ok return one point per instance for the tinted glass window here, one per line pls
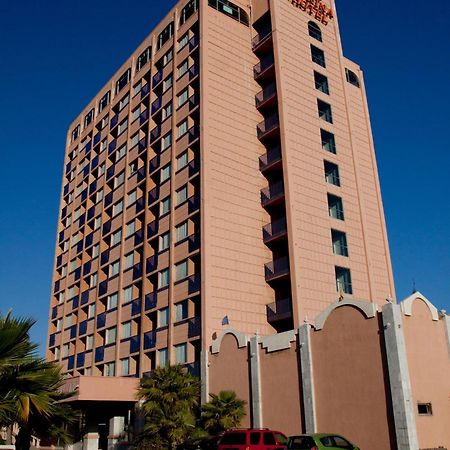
(301, 443)
(281, 438)
(233, 439)
(269, 439)
(340, 442)
(254, 438)
(327, 441)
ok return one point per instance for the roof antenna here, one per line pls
(414, 286)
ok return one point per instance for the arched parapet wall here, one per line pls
(407, 305)
(368, 309)
(241, 338)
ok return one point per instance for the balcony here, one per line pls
(150, 301)
(149, 340)
(194, 327)
(193, 203)
(193, 368)
(262, 40)
(155, 134)
(153, 195)
(135, 344)
(193, 42)
(156, 105)
(157, 78)
(265, 68)
(194, 242)
(275, 230)
(268, 127)
(267, 97)
(193, 72)
(143, 118)
(194, 283)
(280, 310)
(142, 144)
(272, 194)
(277, 269)
(145, 91)
(154, 164)
(194, 133)
(152, 264)
(152, 229)
(136, 307)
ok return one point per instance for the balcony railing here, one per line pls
(279, 268)
(266, 94)
(272, 193)
(261, 37)
(274, 229)
(271, 158)
(281, 309)
(267, 126)
(264, 65)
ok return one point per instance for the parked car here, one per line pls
(252, 439)
(319, 441)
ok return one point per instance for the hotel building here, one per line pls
(224, 175)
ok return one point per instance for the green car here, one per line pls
(319, 441)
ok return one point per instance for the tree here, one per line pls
(170, 405)
(30, 387)
(223, 412)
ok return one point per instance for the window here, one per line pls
(163, 319)
(66, 350)
(89, 118)
(190, 8)
(99, 196)
(111, 336)
(424, 409)
(165, 35)
(132, 197)
(59, 325)
(91, 310)
(128, 294)
(182, 128)
(93, 280)
(269, 438)
(331, 173)
(114, 268)
(321, 82)
(352, 78)
(182, 161)
(339, 240)
(90, 342)
(163, 357)
(163, 278)
(181, 311)
(165, 206)
(95, 250)
(167, 57)
(123, 81)
(183, 68)
(183, 41)
(125, 367)
(166, 141)
(167, 111)
(75, 133)
(183, 98)
(129, 261)
(318, 56)
(121, 152)
(103, 145)
(104, 101)
(343, 280)
(134, 140)
(110, 369)
(181, 231)
(181, 270)
(137, 88)
(255, 437)
(126, 330)
(136, 113)
(328, 141)
(123, 126)
(324, 110)
(112, 301)
(61, 297)
(168, 82)
(143, 59)
(133, 167)
(165, 173)
(104, 122)
(119, 179)
(164, 242)
(314, 31)
(231, 10)
(181, 354)
(118, 208)
(68, 321)
(182, 195)
(57, 353)
(335, 207)
(131, 228)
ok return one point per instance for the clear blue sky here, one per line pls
(55, 56)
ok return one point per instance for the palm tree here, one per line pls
(224, 411)
(29, 386)
(170, 399)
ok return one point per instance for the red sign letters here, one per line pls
(315, 8)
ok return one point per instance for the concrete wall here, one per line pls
(362, 385)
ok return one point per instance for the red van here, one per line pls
(252, 439)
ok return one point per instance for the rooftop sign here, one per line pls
(315, 8)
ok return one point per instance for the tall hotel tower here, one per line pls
(225, 175)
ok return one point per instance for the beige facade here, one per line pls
(225, 174)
